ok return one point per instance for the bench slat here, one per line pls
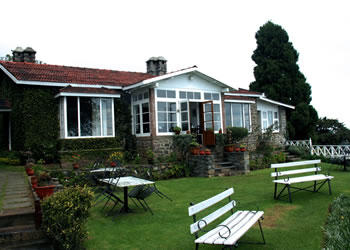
(209, 202)
(317, 177)
(294, 164)
(296, 171)
(213, 216)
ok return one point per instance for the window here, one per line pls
(166, 112)
(211, 96)
(237, 115)
(270, 118)
(161, 93)
(190, 95)
(208, 116)
(140, 112)
(89, 117)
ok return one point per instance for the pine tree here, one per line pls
(277, 75)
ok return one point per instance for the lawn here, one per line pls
(286, 226)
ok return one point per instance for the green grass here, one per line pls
(286, 226)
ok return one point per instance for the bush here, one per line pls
(64, 215)
(235, 134)
(337, 228)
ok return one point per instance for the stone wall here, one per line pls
(201, 165)
(160, 145)
(239, 160)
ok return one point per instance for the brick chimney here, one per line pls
(29, 55)
(23, 55)
(17, 55)
(156, 66)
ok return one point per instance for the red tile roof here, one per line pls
(5, 104)
(64, 74)
(239, 98)
(246, 92)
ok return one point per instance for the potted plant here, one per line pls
(194, 147)
(220, 131)
(177, 130)
(76, 159)
(44, 188)
(235, 134)
(29, 169)
(242, 147)
(207, 151)
(115, 157)
(201, 152)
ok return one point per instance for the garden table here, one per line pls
(125, 183)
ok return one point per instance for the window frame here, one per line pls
(64, 122)
(242, 113)
(139, 103)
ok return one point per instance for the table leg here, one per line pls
(125, 208)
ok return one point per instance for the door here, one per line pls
(208, 123)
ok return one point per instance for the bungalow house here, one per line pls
(84, 104)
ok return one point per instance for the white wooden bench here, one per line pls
(316, 178)
(229, 231)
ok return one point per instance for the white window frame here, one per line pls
(177, 100)
(140, 103)
(243, 119)
(276, 129)
(64, 133)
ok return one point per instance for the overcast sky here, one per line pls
(217, 36)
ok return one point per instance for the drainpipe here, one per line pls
(10, 145)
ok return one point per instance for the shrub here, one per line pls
(64, 215)
(337, 228)
(235, 134)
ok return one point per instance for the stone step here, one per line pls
(226, 167)
(223, 164)
(16, 217)
(20, 233)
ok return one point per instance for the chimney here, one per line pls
(156, 66)
(17, 55)
(29, 55)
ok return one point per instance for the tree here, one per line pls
(277, 75)
(331, 132)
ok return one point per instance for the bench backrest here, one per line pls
(295, 164)
(203, 222)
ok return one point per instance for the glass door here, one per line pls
(208, 120)
(184, 115)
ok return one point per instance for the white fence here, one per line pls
(324, 150)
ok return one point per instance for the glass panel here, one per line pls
(275, 115)
(207, 96)
(161, 106)
(264, 115)
(134, 98)
(216, 107)
(172, 106)
(269, 114)
(197, 95)
(137, 129)
(275, 125)
(217, 126)
(216, 96)
(189, 95)
(172, 117)
(90, 116)
(145, 128)
(216, 116)
(208, 117)
(208, 125)
(182, 95)
(162, 117)
(107, 121)
(145, 118)
(228, 114)
(207, 107)
(184, 116)
(184, 106)
(72, 116)
(145, 95)
(184, 126)
(140, 97)
(145, 108)
(171, 126)
(136, 117)
(237, 115)
(171, 93)
(161, 93)
(162, 127)
(265, 124)
(246, 116)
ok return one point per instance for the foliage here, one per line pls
(194, 144)
(76, 157)
(181, 144)
(10, 161)
(43, 179)
(265, 160)
(71, 178)
(331, 132)
(64, 216)
(277, 75)
(176, 129)
(89, 143)
(235, 134)
(337, 228)
(116, 156)
(220, 139)
(150, 154)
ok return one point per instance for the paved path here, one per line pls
(15, 188)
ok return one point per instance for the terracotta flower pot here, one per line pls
(194, 151)
(34, 181)
(243, 149)
(113, 164)
(237, 149)
(44, 191)
(76, 165)
(207, 152)
(229, 148)
(202, 152)
(30, 171)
